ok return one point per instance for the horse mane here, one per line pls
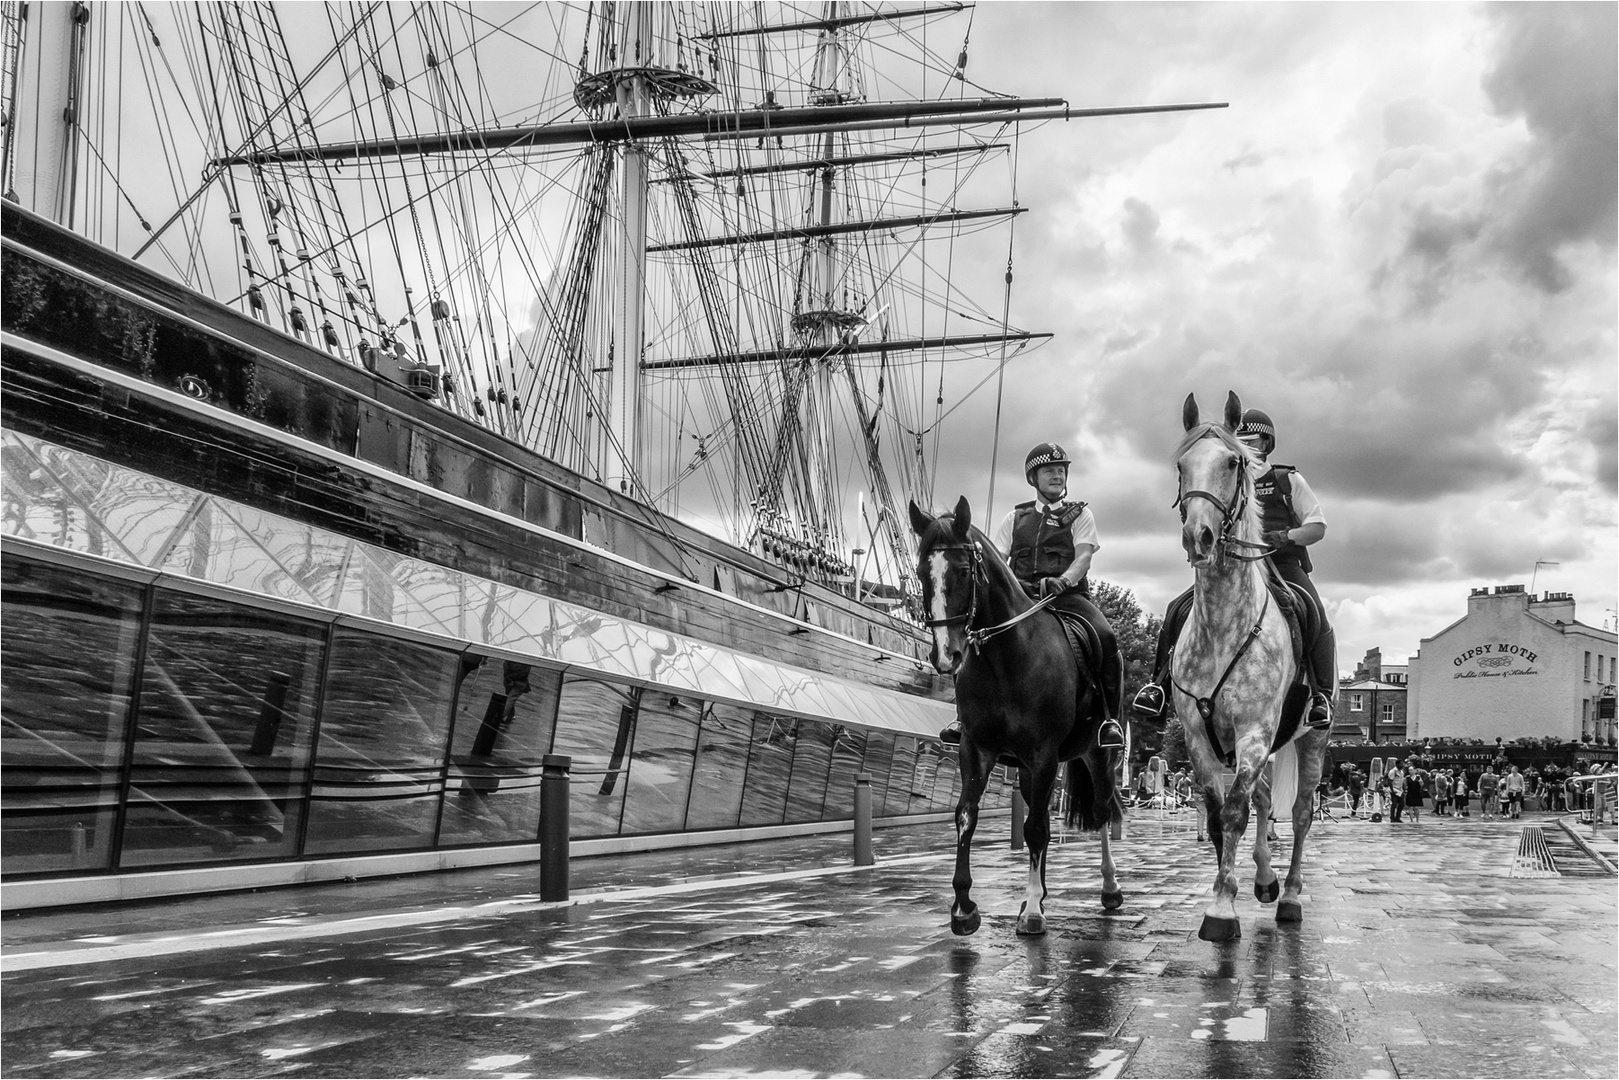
(1248, 520)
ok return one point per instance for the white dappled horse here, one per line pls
(1233, 667)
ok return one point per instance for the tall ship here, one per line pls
(397, 394)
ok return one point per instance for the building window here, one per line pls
(1357, 703)
(1386, 713)
(1587, 667)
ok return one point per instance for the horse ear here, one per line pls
(963, 517)
(920, 520)
(1233, 410)
(1189, 412)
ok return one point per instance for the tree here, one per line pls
(1138, 642)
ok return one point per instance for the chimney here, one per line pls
(1557, 607)
(1485, 599)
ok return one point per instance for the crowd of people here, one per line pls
(1500, 790)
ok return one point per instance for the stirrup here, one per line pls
(1320, 717)
(951, 735)
(1111, 736)
(1149, 701)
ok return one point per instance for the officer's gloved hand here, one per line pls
(1278, 539)
(1052, 586)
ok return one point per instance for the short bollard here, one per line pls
(1020, 810)
(862, 820)
(554, 826)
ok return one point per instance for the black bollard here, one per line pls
(862, 820)
(1020, 811)
(554, 826)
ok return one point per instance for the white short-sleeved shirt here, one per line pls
(1083, 530)
(1305, 504)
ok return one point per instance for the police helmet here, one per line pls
(1257, 422)
(1047, 453)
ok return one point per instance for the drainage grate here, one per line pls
(1534, 858)
(1569, 858)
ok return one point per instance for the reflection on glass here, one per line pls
(812, 757)
(722, 765)
(923, 778)
(383, 734)
(770, 763)
(594, 724)
(503, 725)
(879, 760)
(848, 757)
(898, 802)
(66, 663)
(947, 788)
(222, 734)
(665, 746)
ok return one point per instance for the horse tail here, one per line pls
(1092, 806)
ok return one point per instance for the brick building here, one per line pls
(1515, 665)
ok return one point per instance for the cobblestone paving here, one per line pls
(1419, 956)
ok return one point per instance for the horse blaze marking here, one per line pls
(936, 571)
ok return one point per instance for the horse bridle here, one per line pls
(976, 637)
(1229, 513)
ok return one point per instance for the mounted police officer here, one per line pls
(1291, 518)
(1048, 543)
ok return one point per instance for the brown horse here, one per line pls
(1018, 693)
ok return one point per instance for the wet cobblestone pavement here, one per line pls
(1419, 956)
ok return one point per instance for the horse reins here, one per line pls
(976, 637)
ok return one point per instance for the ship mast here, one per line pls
(40, 151)
(621, 444)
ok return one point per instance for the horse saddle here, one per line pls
(1084, 642)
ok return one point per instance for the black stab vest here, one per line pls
(1274, 491)
(1042, 546)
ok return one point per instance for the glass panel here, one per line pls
(661, 764)
(848, 756)
(67, 658)
(948, 787)
(812, 758)
(927, 774)
(879, 760)
(594, 722)
(503, 725)
(898, 800)
(770, 763)
(383, 734)
(222, 737)
(722, 762)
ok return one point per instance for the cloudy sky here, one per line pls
(1399, 240)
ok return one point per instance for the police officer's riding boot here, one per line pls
(951, 735)
(1149, 702)
(1111, 737)
(1324, 662)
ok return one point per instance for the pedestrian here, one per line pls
(1489, 791)
(1357, 788)
(1459, 794)
(1515, 788)
(1394, 780)
(1441, 792)
(1415, 784)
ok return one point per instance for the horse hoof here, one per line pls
(1031, 925)
(1267, 894)
(1290, 911)
(965, 925)
(1112, 901)
(1217, 929)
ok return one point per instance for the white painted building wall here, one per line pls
(1514, 666)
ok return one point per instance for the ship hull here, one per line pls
(116, 373)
